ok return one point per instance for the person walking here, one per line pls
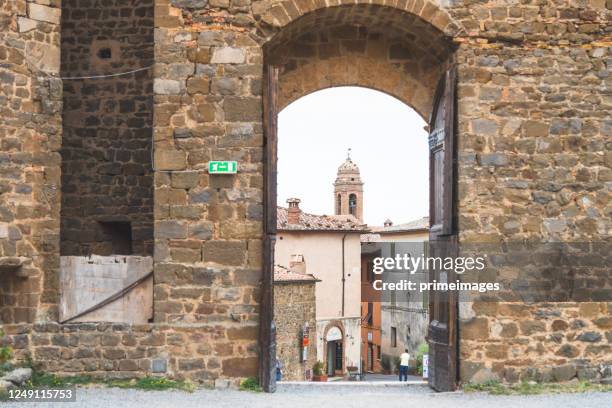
(404, 363)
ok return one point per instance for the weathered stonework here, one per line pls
(107, 350)
(294, 305)
(30, 138)
(107, 177)
(534, 162)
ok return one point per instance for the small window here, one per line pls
(370, 314)
(119, 235)
(393, 337)
(105, 53)
(353, 204)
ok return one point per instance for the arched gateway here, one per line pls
(180, 85)
(402, 52)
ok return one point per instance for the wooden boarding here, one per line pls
(442, 330)
(88, 281)
(267, 333)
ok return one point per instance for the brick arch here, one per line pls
(367, 45)
(320, 75)
(285, 12)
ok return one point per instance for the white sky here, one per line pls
(388, 144)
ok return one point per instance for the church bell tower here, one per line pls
(348, 190)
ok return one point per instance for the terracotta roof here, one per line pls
(283, 274)
(421, 224)
(311, 222)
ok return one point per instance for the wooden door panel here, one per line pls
(267, 330)
(442, 336)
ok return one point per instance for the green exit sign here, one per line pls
(222, 167)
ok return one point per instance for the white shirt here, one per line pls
(405, 359)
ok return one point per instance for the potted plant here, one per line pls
(317, 372)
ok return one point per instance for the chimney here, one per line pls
(388, 223)
(293, 212)
(297, 264)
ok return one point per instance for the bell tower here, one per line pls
(348, 190)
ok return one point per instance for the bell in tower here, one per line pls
(348, 190)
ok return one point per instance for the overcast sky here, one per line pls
(388, 144)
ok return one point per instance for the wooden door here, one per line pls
(267, 330)
(442, 334)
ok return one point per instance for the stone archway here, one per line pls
(373, 46)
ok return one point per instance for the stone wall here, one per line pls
(535, 134)
(107, 177)
(534, 156)
(110, 350)
(30, 138)
(294, 305)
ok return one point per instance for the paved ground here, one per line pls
(387, 377)
(316, 397)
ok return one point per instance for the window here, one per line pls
(118, 235)
(353, 205)
(378, 352)
(370, 314)
(393, 337)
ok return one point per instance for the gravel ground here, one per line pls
(316, 397)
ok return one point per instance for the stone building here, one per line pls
(295, 311)
(403, 317)
(329, 247)
(371, 325)
(532, 163)
(404, 321)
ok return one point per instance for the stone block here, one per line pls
(225, 86)
(243, 333)
(493, 159)
(185, 180)
(240, 367)
(4, 230)
(475, 329)
(190, 364)
(590, 337)
(189, 4)
(484, 127)
(201, 230)
(44, 13)
(159, 365)
(530, 327)
(170, 160)
(564, 372)
(170, 229)
(26, 24)
(128, 365)
(224, 252)
(45, 57)
(228, 55)
(239, 109)
(168, 87)
(198, 85)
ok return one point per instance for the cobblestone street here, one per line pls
(312, 396)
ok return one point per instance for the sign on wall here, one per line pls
(222, 167)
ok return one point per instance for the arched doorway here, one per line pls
(396, 52)
(334, 345)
